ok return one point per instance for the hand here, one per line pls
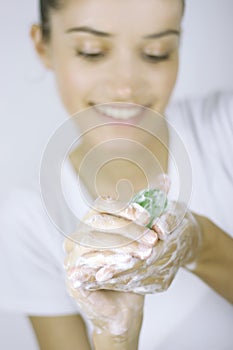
(180, 239)
(118, 314)
(103, 235)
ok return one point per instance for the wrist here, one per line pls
(105, 340)
(196, 234)
(205, 250)
(214, 261)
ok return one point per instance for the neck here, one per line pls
(124, 167)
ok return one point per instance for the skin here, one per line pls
(151, 269)
(60, 333)
(122, 73)
(83, 82)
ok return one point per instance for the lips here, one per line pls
(119, 112)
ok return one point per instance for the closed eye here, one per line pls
(156, 58)
(90, 55)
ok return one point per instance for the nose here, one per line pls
(126, 82)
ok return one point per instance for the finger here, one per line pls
(136, 213)
(120, 280)
(99, 259)
(132, 211)
(122, 283)
(104, 273)
(141, 248)
(77, 276)
(107, 264)
(98, 266)
(163, 258)
(155, 287)
(149, 238)
(115, 225)
(163, 251)
(74, 257)
(122, 273)
(122, 264)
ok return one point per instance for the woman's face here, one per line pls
(115, 51)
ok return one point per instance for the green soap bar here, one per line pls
(153, 200)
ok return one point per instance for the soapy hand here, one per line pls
(109, 244)
(147, 263)
(114, 234)
(111, 312)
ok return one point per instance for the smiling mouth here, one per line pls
(120, 112)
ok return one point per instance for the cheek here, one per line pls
(73, 85)
(163, 81)
(172, 71)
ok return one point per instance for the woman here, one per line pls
(118, 59)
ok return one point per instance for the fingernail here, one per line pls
(150, 238)
(143, 252)
(162, 234)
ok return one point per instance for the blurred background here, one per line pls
(30, 109)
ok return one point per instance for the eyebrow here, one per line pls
(161, 34)
(108, 35)
(88, 30)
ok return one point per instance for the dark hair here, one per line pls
(47, 5)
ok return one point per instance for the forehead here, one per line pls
(114, 16)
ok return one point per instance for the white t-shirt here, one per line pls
(189, 315)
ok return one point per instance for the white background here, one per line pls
(30, 109)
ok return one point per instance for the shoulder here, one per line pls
(209, 118)
(202, 109)
(25, 223)
(206, 128)
(31, 257)
(18, 199)
(20, 204)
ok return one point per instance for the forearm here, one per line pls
(214, 264)
(129, 341)
(60, 332)
(105, 341)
